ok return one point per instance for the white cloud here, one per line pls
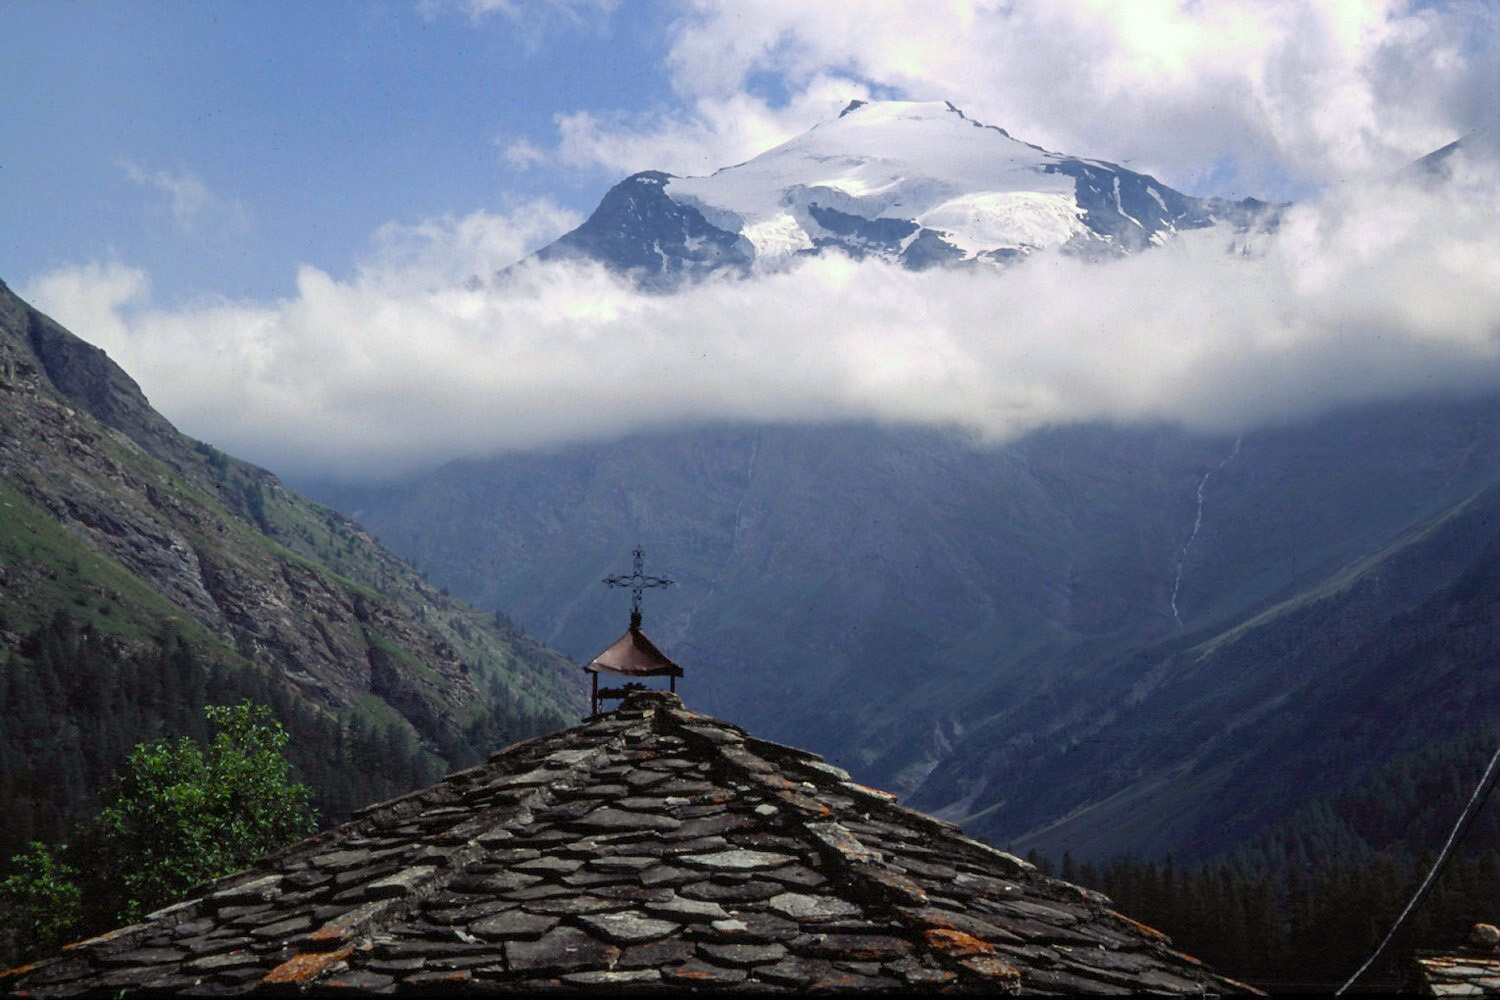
(446, 251)
(716, 132)
(517, 10)
(1216, 96)
(194, 208)
(1370, 292)
(92, 297)
(521, 153)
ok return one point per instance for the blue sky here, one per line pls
(265, 211)
(305, 126)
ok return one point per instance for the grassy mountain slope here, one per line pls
(129, 528)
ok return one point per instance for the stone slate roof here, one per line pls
(1462, 975)
(651, 848)
(1470, 971)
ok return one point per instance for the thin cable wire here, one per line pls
(1465, 820)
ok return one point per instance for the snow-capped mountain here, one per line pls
(919, 183)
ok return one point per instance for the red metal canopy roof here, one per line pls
(634, 655)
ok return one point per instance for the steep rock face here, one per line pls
(639, 230)
(248, 564)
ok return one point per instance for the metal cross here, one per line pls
(637, 582)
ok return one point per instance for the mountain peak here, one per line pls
(918, 183)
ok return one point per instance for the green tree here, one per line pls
(178, 816)
(41, 898)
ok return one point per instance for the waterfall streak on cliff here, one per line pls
(734, 541)
(1197, 523)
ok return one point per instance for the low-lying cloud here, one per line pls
(1375, 292)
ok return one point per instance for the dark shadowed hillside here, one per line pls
(1120, 622)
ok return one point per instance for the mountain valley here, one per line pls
(1094, 639)
(963, 622)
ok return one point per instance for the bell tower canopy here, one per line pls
(632, 655)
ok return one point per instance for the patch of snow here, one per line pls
(895, 159)
(780, 236)
(1157, 195)
(991, 220)
(714, 215)
(1121, 208)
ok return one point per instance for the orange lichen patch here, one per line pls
(877, 793)
(110, 936)
(327, 936)
(1246, 988)
(685, 972)
(306, 966)
(956, 943)
(17, 970)
(928, 976)
(837, 838)
(990, 967)
(838, 982)
(935, 920)
(803, 804)
(1150, 932)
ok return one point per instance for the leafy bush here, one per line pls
(42, 901)
(177, 815)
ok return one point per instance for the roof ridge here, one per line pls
(422, 874)
(650, 846)
(869, 875)
(336, 939)
(870, 879)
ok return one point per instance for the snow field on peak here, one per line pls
(916, 161)
(780, 236)
(1006, 219)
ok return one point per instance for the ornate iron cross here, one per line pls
(637, 582)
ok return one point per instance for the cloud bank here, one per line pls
(1226, 97)
(1369, 292)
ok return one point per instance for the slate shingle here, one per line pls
(649, 849)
